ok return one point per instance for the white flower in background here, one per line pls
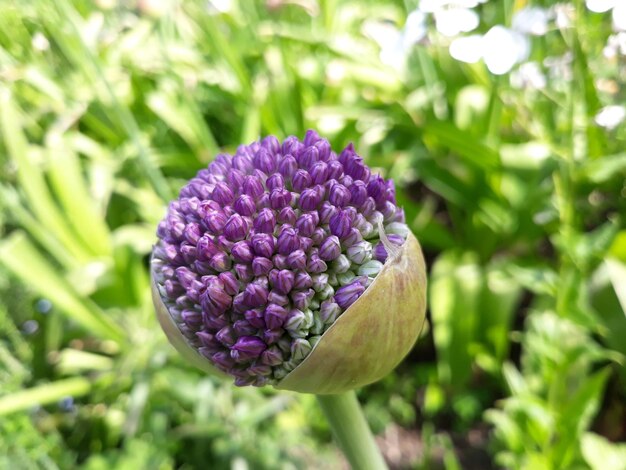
(560, 67)
(503, 48)
(610, 117)
(616, 43)
(452, 16)
(531, 20)
(431, 6)
(563, 14)
(40, 42)
(618, 8)
(529, 76)
(456, 20)
(619, 17)
(395, 44)
(601, 6)
(219, 6)
(467, 49)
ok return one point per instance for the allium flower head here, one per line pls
(265, 249)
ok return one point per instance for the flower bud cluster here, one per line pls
(266, 248)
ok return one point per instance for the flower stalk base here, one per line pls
(352, 431)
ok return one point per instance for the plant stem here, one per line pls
(351, 431)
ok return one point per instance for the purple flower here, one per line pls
(347, 295)
(260, 253)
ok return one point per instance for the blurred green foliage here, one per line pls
(515, 192)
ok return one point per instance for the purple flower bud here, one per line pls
(327, 211)
(320, 281)
(330, 249)
(316, 264)
(287, 216)
(309, 199)
(275, 181)
(329, 311)
(223, 243)
(347, 295)
(288, 241)
(265, 221)
(275, 316)
(323, 149)
(302, 281)
(310, 137)
(255, 317)
(215, 222)
(245, 205)
(261, 266)
(244, 272)
(282, 280)
(339, 195)
(279, 198)
(272, 336)
(185, 276)
(209, 341)
(302, 299)
(272, 356)
(220, 262)
(296, 321)
(280, 261)
(308, 157)
(235, 178)
(205, 248)
(263, 202)
(300, 349)
(380, 253)
(278, 299)
(192, 233)
(226, 336)
(271, 144)
(319, 173)
(243, 327)
(335, 170)
(360, 253)
(264, 161)
(263, 244)
(252, 186)
(305, 244)
(259, 370)
(318, 236)
(192, 318)
(242, 252)
(306, 225)
(222, 194)
(291, 145)
(288, 166)
(249, 348)
(341, 264)
(231, 285)
(301, 180)
(376, 187)
(354, 236)
(340, 224)
(370, 268)
(297, 260)
(223, 360)
(255, 295)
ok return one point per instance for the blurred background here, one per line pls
(502, 123)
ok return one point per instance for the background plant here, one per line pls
(513, 182)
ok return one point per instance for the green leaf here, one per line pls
(22, 258)
(601, 454)
(43, 394)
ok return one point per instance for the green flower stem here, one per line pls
(351, 431)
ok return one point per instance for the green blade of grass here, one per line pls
(31, 179)
(22, 259)
(45, 394)
(69, 184)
